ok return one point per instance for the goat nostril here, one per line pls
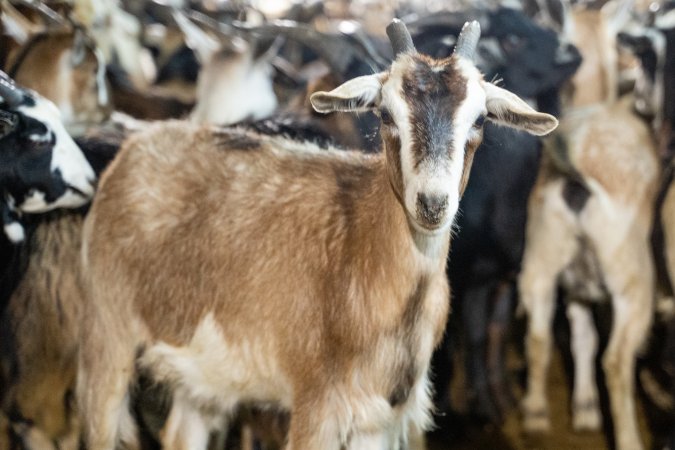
(431, 207)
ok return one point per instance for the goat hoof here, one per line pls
(586, 416)
(536, 421)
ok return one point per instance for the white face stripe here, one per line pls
(67, 158)
(433, 179)
(397, 107)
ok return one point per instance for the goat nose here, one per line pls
(431, 207)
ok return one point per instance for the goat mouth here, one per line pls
(429, 229)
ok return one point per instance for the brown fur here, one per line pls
(433, 97)
(239, 268)
(218, 254)
(42, 319)
(614, 165)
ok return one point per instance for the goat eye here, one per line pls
(385, 117)
(479, 121)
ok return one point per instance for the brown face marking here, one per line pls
(392, 145)
(469, 152)
(433, 90)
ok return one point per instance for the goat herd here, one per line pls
(201, 250)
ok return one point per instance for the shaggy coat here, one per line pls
(239, 268)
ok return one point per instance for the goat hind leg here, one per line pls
(104, 377)
(550, 246)
(629, 275)
(631, 324)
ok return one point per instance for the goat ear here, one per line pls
(204, 45)
(508, 109)
(359, 94)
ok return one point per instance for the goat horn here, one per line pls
(468, 40)
(9, 92)
(399, 36)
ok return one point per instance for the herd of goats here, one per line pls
(195, 254)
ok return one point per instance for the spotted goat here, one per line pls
(338, 320)
(588, 232)
(41, 166)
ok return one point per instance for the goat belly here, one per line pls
(211, 371)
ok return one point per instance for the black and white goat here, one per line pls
(42, 170)
(41, 167)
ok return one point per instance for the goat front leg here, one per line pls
(585, 406)
(314, 425)
(103, 382)
(550, 246)
(630, 281)
(185, 428)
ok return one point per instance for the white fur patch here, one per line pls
(210, 371)
(233, 89)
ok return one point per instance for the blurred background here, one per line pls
(562, 331)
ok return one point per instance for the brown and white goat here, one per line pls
(589, 225)
(66, 67)
(42, 170)
(244, 269)
(233, 84)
